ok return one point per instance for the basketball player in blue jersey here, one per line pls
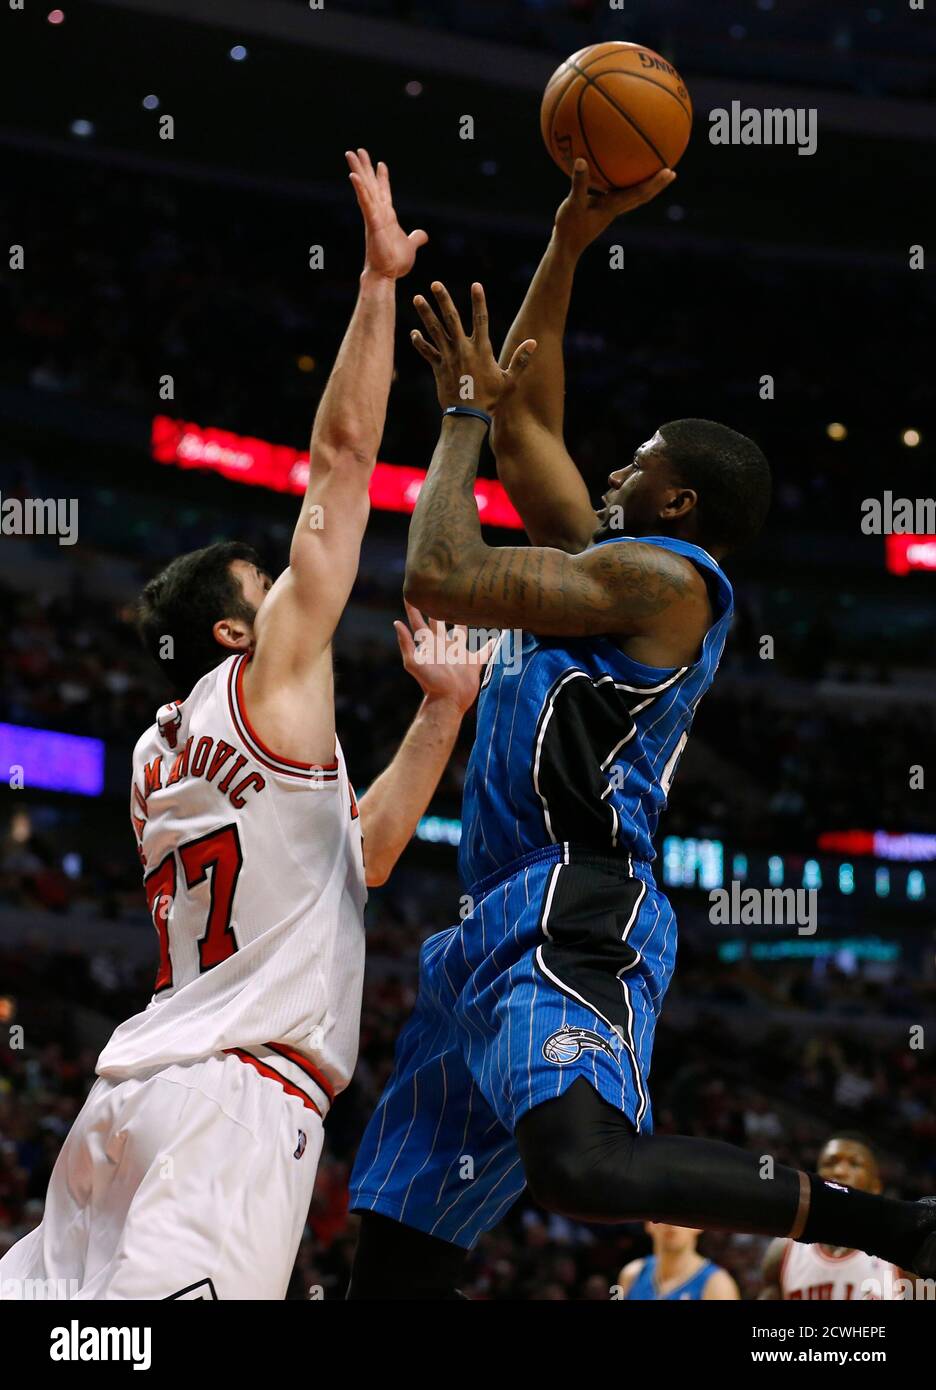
(675, 1272)
(526, 1059)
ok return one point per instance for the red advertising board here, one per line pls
(393, 488)
(906, 553)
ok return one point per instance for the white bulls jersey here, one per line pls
(254, 874)
(810, 1271)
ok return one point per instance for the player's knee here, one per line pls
(576, 1149)
(555, 1181)
(554, 1164)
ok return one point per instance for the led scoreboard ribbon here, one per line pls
(240, 459)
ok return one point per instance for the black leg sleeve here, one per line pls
(393, 1261)
(583, 1158)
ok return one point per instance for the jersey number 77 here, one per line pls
(218, 853)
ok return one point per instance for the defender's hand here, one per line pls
(388, 250)
(439, 661)
(466, 370)
(584, 216)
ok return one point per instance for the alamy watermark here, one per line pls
(764, 907)
(898, 516)
(77, 1343)
(39, 1290)
(745, 125)
(40, 516)
(470, 647)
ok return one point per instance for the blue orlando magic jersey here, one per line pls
(644, 1286)
(558, 971)
(578, 743)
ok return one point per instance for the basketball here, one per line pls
(621, 107)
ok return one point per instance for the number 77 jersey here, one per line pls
(254, 879)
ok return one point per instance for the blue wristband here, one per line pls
(468, 410)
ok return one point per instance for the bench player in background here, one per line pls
(528, 1051)
(189, 1171)
(819, 1271)
(675, 1272)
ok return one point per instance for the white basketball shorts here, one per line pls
(192, 1182)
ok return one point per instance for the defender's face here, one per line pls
(636, 494)
(848, 1162)
(255, 584)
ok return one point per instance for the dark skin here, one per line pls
(653, 603)
(843, 1161)
(533, 462)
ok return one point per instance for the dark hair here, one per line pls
(851, 1136)
(729, 473)
(184, 602)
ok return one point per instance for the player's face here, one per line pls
(636, 494)
(846, 1161)
(672, 1239)
(254, 583)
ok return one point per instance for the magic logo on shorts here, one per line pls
(568, 1044)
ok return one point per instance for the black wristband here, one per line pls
(468, 410)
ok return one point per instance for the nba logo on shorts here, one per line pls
(300, 1147)
(569, 1043)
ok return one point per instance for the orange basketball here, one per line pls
(620, 106)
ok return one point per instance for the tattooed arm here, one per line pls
(625, 589)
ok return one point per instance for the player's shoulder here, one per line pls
(142, 749)
(629, 1275)
(676, 564)
(720, 1285)
(171, 719)
(775, 1254)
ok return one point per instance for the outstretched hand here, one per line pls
(389, 251)
(583, 216)
(440, 661)
(465, 368)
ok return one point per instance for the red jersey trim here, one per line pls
(834, 1259)
(318, 773)
(305, 1065)
(244, 1056)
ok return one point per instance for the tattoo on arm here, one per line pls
(445, 525)
(605, 589)
(609, 589)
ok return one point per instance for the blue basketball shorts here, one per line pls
(558, 972)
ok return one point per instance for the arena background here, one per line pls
(188, 257)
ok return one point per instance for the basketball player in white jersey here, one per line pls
(795, 1271)
(189, 1171)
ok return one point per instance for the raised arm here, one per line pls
(291, 667)
(449, 678)
(625, 589)
(533, 463)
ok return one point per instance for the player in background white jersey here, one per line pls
(832, 1273)
(189, 1171)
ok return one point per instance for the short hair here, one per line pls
(728, 472)
(850, 1136)
(184, 601)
